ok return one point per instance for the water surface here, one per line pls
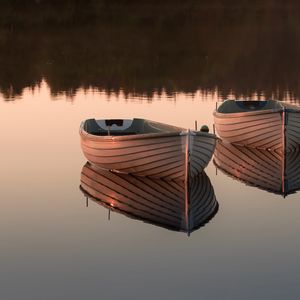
(170, 68)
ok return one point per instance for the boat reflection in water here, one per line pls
(174, 205)
(276, 172)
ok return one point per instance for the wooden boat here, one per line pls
(146, 148)
(269, 125)
(176, 205)
(268, 170)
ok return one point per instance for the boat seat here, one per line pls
(114, 132)
(92, 127)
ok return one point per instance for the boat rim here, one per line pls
(279, 109)
(84, 134)
(247, 113)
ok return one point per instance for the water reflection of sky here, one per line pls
(55, 247)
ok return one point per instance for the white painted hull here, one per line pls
(262, 130)
(157, 155)
(273, 129)
(268, 170)
(175, 205)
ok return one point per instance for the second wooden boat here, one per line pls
(146, 148)
(175, 205)
(268, 125)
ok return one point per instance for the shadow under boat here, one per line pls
(272, 171)
(175, 205)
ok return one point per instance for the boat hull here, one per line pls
(157, 201)
(162, 155)
(262, 129)
(292, 129)
(274, 129)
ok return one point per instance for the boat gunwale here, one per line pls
(84, 134)
(218, 114)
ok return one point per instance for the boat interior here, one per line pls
(117, 127)
(233, 106)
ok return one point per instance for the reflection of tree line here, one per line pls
(237, 48)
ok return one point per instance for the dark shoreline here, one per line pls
(144, 47)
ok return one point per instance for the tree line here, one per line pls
(146, 47)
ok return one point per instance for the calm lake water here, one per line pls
(169, 67)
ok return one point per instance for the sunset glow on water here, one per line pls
(49, 233)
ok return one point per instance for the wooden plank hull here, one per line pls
(292, 129)
(268, 170)
(157, 201)
(261, 130)
(272, 129)
(162, 155)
